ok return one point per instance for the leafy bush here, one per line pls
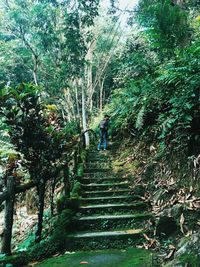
(163, 105)
(16, 260)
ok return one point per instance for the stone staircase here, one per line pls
(110, 216)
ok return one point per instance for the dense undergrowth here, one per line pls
(173, 202)
(155, 116)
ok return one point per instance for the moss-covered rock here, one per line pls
(188, 253)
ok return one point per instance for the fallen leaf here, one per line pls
(171, 254)
(189, 233)
(196, 204)
(146, 237)
(172, 246)
(182, 220)
(84, 262)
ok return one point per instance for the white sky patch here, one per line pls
(122, 5)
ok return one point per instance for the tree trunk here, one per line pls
(41, 194)
(77, 102)
(53, 186)
(66, 181)
(84, 119)
(101, 94)
(9, 210)
(90, 90)
(35, 69)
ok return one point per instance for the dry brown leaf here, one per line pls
(56, 255)
(172, 182)
(188, 196)
(139, 246)
(182, 220)
(172, 246)
(196, 204)
(146, 237)
(189, 233)
(171, 254)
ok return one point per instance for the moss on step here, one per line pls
(80, 170)
(108, 258)
(113, 208)
(119, 222)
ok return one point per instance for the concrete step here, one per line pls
(96, 160)
(100, 157)
(98, 174)
(103, 179)
(112, 208)
(110, 192)
(96, 186)
(109, 199)
(108, 233)
(94, 170)
(97, 164)
(106, 239)
(110, 222)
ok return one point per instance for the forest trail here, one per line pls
(110, 216)
(110, 223)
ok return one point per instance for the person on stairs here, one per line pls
(103, 126)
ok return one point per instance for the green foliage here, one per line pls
(45, 37)
(34, 129)
(23, 112)
(156, 93)
(16, 260)
(37, 134)
(167, 24)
